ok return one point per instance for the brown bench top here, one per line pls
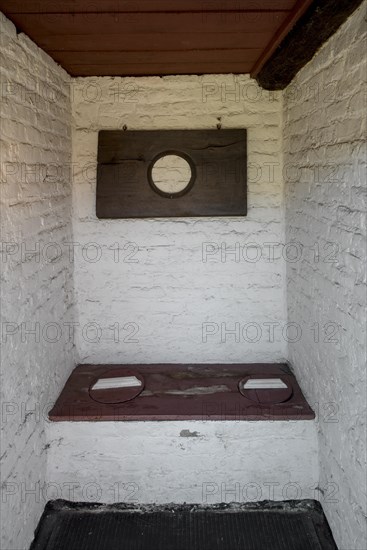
(183, 392)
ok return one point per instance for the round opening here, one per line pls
(116, 386)
(171, 174)
(265, 390)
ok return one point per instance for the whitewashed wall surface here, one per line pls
(325, 156)
(36, 283)
(180, 290)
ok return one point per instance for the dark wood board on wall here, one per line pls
(218, 157)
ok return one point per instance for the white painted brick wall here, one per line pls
(163, 288)
(35, 211)
(326, 203)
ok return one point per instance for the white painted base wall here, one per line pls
(194, 462)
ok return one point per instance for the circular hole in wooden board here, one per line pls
(266, 396)
(116, 395)
(171, 174)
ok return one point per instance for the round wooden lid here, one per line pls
(266, 389)
(119, 390)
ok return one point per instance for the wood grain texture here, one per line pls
(135, 69)
(83, 27)
(75, 404)
(134, 63)
(146, 41)
(139, 6)
(73, 31)
(159, 56)
(219, 157)
(166, 23)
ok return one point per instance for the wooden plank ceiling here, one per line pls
(156, 37)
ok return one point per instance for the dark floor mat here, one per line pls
(263, 526)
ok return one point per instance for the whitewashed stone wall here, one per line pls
(325, 155)
(36, 287)
(144, 292)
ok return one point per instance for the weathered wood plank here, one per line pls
(90, 6)
(153, 42)
(219, 158)
(111, 58)
(166, 23)
(158, 69)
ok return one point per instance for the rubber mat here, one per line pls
(64, 527)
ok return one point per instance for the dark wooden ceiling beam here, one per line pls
(318, 23)
(298, 10)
